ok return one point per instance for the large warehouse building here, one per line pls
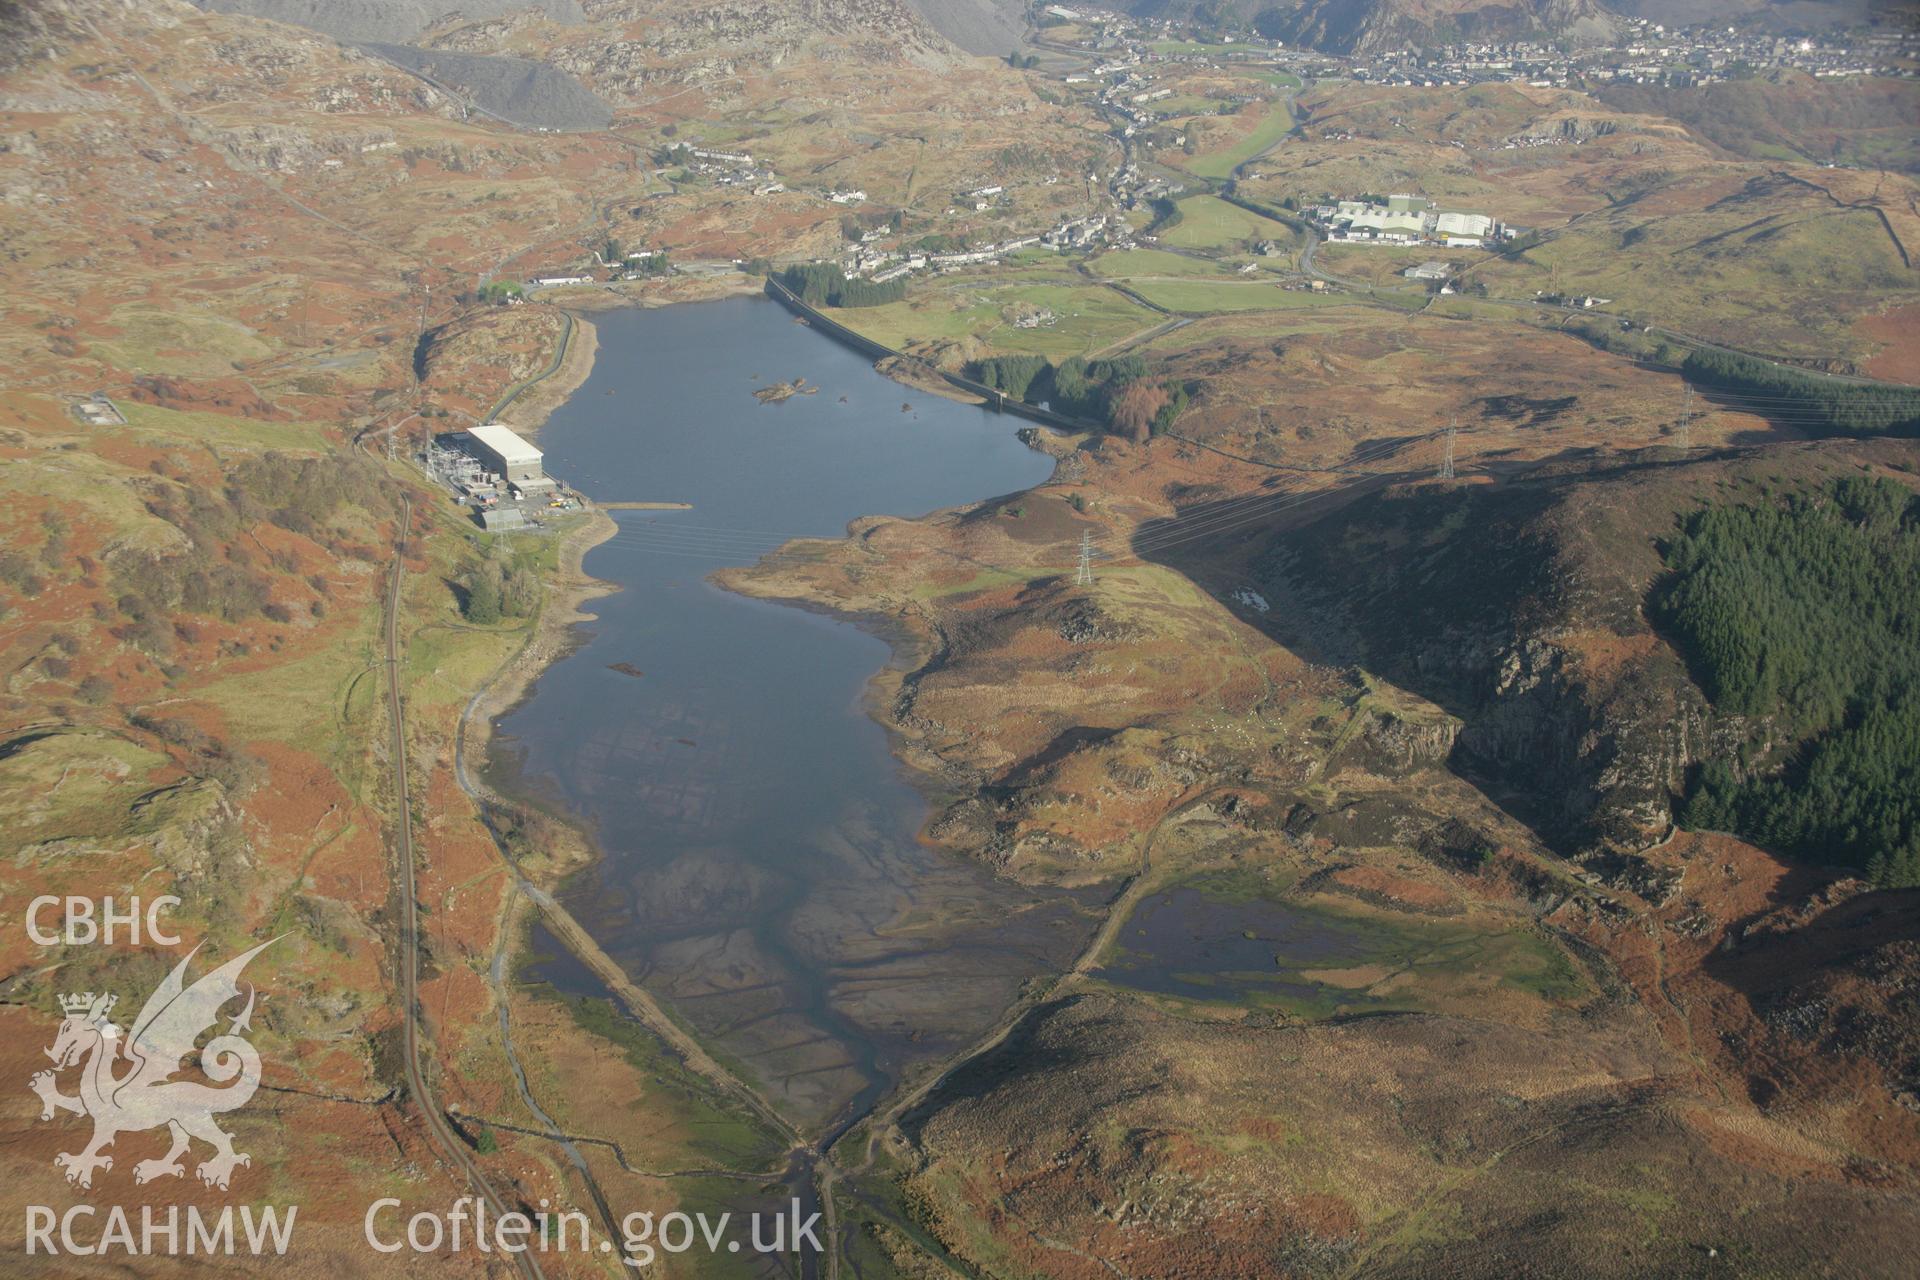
(500, 449)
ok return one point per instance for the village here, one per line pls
(1130, 70)
(1642, 51)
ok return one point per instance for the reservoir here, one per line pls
(760, 871)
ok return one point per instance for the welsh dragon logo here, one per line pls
(126, 1084)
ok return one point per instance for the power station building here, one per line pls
(502, 451)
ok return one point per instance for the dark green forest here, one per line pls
(821, 284)
(1841, 408)
(1806, 611)
(1097, 390)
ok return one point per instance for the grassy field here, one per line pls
(1134, 264)
(1382, 265)
(1222, 163)
(1278, 79)
(1205, 297)
(1208, 222)
(1339, 315)
(186, 428)
(192, 343)
(1187, 104)
(1191, 46)
(1775, 268)
(1087, 317)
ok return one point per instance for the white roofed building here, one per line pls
(502, 449)
(1475, 226)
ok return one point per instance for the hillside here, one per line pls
(1527, 613)
(1372, 26)
(561, 66)
(398, 21)
(988, 27)
(1783, 15)
(1859, 123)
(518, 90)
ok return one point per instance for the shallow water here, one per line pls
(761, 873)
(1186, 942)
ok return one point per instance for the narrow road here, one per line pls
(450, 1145)
(553, 367)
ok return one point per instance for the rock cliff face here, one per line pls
(1519, 610)
(1522, 609)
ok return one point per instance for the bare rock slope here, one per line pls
(518, 90)
(978, 26)
(395, 21)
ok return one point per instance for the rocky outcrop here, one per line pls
(1519, 611)
(1567, 128)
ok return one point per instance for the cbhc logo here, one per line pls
(85, 921)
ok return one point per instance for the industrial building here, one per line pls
(1474, 226)
(497, 475)
(1403, 220)
(501, 450)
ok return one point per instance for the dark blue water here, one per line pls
(1186, 942)
(761, 872)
